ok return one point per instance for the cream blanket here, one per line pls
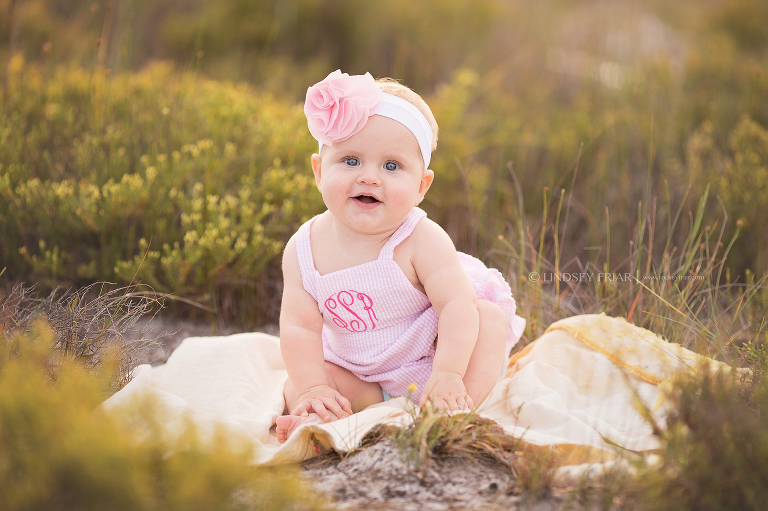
(575, 391)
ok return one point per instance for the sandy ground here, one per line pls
(378, 477)
(168, 332)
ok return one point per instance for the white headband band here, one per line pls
(409, 116)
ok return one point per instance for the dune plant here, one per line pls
(739, 172)
(58, 451)
(433, 434)
(186, 184)
(87, 323)
(714, 448)
(686, 293)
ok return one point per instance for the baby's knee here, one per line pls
(492, 318)
(334, 374)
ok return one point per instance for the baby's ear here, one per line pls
(317, 168)
(426, 181)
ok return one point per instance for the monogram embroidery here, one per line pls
(346, 299)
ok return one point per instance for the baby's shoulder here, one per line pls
(427, 242)
(290, 245)
(290, 254)
(428, 233)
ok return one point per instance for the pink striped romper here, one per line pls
(377, 325)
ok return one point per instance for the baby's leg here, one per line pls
(485, 363)
(361, 394)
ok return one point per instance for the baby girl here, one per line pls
(377, 302)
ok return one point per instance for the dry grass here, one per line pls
(714, 448)
(87, 322)
(433, 434)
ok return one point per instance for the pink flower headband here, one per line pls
(339, 106)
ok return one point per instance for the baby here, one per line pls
(377, 303)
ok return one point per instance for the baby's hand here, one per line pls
(320, 399)
(446, 391)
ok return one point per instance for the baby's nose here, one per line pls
(369, 175)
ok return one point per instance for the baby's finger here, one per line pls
(302, 409)
(461, 403)
(333, 405)
(345, 404)
(440, 404)
(470, 403)
(319, 408)
(427, 397)
(453, 405)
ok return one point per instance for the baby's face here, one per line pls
(372, 180)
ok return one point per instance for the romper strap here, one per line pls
(306, 262)
(402, 232)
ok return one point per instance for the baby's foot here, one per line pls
(286, 424)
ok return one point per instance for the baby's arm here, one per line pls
(448, 287)
(301, 345)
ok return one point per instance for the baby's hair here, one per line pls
(392, 86)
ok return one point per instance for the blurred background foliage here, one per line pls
(60, 451)
(165, 141)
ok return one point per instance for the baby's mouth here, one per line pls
(367, 199)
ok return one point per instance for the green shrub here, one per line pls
(58, 452)
(714, 452)
(188, 184)
(739, 175)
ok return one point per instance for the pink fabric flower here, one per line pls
(339, 106)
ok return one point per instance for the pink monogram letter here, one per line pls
(330, 304)
(368, 306)
(347, 299)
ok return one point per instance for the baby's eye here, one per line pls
(390, 165)
(354, 161)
